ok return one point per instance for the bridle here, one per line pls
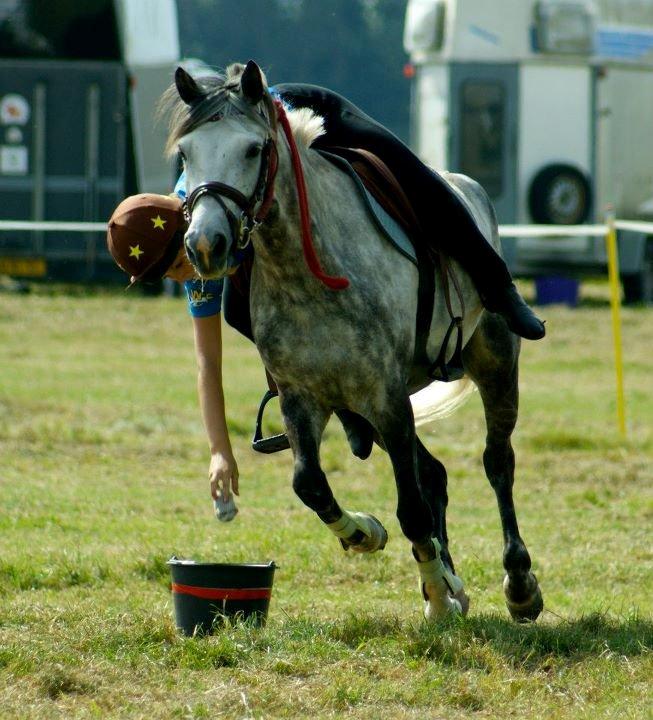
(249, 220)
(243, 226)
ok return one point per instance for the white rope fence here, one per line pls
(504, 230)
(574, 230)
(52, 226)
(553, 230)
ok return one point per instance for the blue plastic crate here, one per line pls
(552, 290)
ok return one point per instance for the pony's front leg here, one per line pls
(438, 584)
(305, 420)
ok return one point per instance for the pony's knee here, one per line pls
(416, 522)
(312, 489)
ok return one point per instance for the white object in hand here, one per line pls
(225, 510)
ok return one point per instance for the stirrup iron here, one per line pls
(273, 443)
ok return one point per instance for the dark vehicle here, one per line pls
(78, 90)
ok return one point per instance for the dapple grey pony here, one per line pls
(333, 318)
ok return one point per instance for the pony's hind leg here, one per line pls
(305, 421)
(491, 360)
(415, 513)
(433, 484)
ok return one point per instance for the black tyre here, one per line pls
(560, 195)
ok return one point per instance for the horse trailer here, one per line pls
(549, 105)
(79, 82)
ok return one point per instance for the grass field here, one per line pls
(103, 474)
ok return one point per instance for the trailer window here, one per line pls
(565, 27)
(482, 138)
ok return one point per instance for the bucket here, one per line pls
(205, 594)
(551, 290)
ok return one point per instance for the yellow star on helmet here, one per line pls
(159, 222)
(135, 251)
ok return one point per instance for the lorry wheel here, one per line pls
(559, 195)
(638, 287)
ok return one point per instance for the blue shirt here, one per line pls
(204, 297)
(180, 187)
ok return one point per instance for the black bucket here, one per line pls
(205, 594)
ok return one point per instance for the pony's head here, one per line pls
(224, 128)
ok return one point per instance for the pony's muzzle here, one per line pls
(208, 256)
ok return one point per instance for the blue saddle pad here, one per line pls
(392, 230)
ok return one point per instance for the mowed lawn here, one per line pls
(103, 466)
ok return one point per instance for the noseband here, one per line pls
(242, 227)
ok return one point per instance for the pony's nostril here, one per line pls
(219, 245)
(190, 251)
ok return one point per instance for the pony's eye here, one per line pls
(253, 150)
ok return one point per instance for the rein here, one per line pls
(243, 227)
(334, 283)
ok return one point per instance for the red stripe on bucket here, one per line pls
(222, 593)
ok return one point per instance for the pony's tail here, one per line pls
(439, 399)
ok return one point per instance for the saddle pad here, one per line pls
(392, 230)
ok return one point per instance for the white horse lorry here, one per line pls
(549, 105)
(79, 83)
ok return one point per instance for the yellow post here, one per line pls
(615, 304)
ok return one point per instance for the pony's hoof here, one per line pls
(437, 607)
(442, 591)
(374, 534)
(463, 600)
(529, 609)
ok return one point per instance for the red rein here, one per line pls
(334, 283)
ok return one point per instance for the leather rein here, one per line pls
(243, 226)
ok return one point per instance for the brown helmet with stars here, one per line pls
(145, 235)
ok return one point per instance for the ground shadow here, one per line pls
(469, 642)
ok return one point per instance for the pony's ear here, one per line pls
(188, 89)
(251, 83)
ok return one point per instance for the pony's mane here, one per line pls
(222, 95)
(306, 125)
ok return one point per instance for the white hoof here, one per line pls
(438, 606)
(374, 535)
(441, 590)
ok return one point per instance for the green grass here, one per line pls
(103, 467)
